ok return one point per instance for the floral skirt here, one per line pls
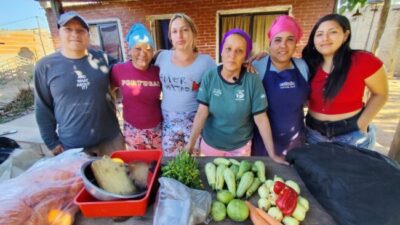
(176, 131)
(139, 139)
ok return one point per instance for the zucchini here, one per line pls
(260, 170)
(244, 184)
(243, 168)
(234, 161)
(235, 169)
(253, 187)
(230, 181)
(219, 179)
(210, 170)
(222, 161)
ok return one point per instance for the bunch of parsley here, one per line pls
(185, 169)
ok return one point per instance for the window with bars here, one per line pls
(105, 36)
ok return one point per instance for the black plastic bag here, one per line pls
(7, 146)
(356, 186)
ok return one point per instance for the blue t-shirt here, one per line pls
(231, 108)
(72, 97)
(180, 84)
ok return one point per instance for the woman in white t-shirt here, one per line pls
(181, 70)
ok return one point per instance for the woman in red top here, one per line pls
(339, 76)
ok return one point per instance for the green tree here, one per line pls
(350, 5)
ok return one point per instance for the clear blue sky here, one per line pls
(20, 14)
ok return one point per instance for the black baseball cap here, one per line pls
(68, 16)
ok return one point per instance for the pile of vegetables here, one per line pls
(242, 180)
(185, 169)
(282, 201)
(279, 203)
(238, 176)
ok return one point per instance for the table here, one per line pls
(315, 216)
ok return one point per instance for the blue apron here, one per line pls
(287, 91)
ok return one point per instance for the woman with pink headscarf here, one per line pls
(285, 80)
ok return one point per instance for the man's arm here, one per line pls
(44, 109)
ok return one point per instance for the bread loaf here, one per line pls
(112, 177)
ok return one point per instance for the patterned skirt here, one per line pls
(142, 138)
(176, 130)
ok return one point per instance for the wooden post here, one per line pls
(394, 151)
(56, 7)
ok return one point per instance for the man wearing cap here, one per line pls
(73, 106)
(285, 82)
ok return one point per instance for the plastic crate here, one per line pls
(91, 207)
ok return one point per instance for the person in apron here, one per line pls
(285, 81)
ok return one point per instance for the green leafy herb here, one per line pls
(185, 169)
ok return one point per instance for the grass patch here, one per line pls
(22, 103)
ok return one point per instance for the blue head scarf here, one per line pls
(139, 34)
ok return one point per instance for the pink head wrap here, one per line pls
(285, 23)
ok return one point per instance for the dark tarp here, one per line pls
(356, 186)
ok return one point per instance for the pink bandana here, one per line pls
(285, 24)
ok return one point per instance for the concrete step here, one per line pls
(27, 133)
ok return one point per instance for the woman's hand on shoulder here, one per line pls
(249, 62)
(250, 68)
(256, 57)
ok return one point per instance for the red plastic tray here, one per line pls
(91, 207)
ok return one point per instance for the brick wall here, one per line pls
(203, 12)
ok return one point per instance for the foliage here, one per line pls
(185, 169)
(16, 68)
(20, 104)
(350, 5)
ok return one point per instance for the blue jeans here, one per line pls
(355, 138)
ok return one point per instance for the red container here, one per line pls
(91, 207)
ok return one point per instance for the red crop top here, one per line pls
(349, 98)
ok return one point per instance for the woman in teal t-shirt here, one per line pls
(231, 101)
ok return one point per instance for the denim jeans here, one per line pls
(355, 138)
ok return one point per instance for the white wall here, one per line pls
(364, 29)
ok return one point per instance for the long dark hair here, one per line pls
(341, 59)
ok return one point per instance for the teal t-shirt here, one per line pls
(231, 108)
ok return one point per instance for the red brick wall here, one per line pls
(203, 12)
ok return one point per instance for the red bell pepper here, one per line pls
(278, 187)
(287, 200)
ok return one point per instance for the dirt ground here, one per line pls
(9, 91)
(387, 119)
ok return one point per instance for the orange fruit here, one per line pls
(117, 160)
